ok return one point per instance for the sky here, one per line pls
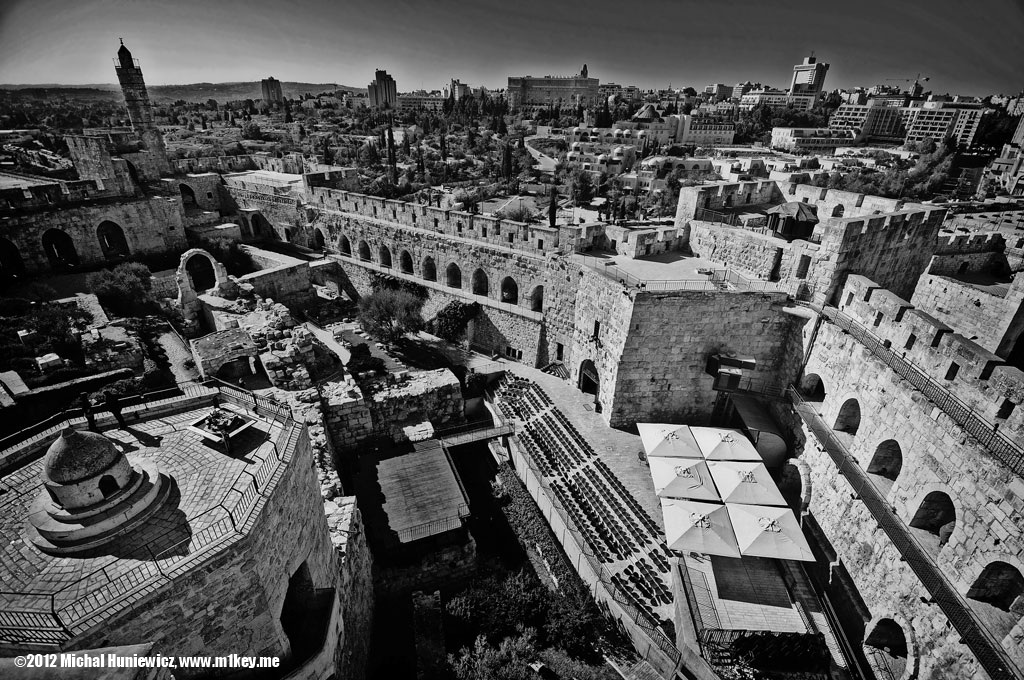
(964, 47)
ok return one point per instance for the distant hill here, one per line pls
(222, 92)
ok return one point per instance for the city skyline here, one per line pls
(484, 43)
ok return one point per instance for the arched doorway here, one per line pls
(112, 240)
(405, 262)
(385, 256)
(344, 245)
(886, 464)
(812, 388)
(429, 269)
(261, 228)
(11, 263)
(848, 420)
(319, 242)
(453, 276)
(886, 650)
(1000, 585)
(839, 210)
(589, 382)
(364, 251)
(201, 274)
(537, 299)
(509, 291)
(481, 286)
(60, 249)
(188, 197)
(108, 486)
(936, 516)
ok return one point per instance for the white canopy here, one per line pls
(763, 531)
(718, 444)
(699, 527)
(668, 441)
(683, 478)
(742, 482)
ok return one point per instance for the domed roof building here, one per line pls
(92, 494)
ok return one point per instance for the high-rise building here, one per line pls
(459, 90)
(808, 77)
(383, 91)
(271, 90)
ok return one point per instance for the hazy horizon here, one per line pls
(965, 49)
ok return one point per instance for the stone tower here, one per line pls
(583, 71)
(140, 111)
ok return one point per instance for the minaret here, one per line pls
(140, 111)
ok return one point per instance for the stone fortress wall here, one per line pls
(911, 447)
(891, 241)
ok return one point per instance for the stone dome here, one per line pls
(78, 455)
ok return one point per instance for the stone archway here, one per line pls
(344, 245)
(589, 381)
(11, 263)
(812, 387)
(480, 284)
(405, 262)
(429, 269)
(60, 249)
(188, 197)
(112, 240)
(537, 299)
(261, 228)
(890, 649)
(319, 240)
(188, 297)
(509, 291)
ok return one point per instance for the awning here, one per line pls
(686, 478)
(767, 532)
(744, 482)
(699, 527)
(668, 441)
(719, 444)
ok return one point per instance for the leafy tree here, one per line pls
(510, 660)
(390, 314)
(581, 186)
(125, 290)
(553, 207)
(450, 323)
(251, 130)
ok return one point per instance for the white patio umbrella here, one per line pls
(668, 441)
(720, 444)
(687, 478)
(698, 527)
(763, 531)
(743, 482)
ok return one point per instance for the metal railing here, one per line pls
(458, 436)
(718, 280)
(1009, 453)
(435, 526)
(45, 619)
(985, 647)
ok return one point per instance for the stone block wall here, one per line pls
(980, 379)
(346, 414)
(231, 602)
(426, 395)
(281, 278)
(660, 374)
(150, 226)
(935, 456)
(355, 586)
(757, 255)
(994, 321)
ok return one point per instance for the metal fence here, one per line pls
(985, 647)
(1006, 451)
(35, 619)
(718, 280)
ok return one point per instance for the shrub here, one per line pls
(450, 323)
(476, 383)
(125, 290)
(390, 314)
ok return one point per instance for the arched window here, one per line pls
(936, 515)
(11, 263)
(848, 419)
(887, 461)
(429, 269)
(364, 251)
(188, 197)
(59, 249)
(405, 262)
(509, 291)
(839, 210)
(812, 388)
(1001, 585)
(112, 240)
(344, 245)
(385, 256)
(108, 486)
(537, 299)
(886, 650)
(454, 276)
(480, 284)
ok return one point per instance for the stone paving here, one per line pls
(203, 478)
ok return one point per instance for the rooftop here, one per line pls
(212, 497)
(420, 488)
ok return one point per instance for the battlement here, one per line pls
(531, 238)
(970, 243)
(978, 377)
(908, 224)
(58, 194)
(185, 166)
